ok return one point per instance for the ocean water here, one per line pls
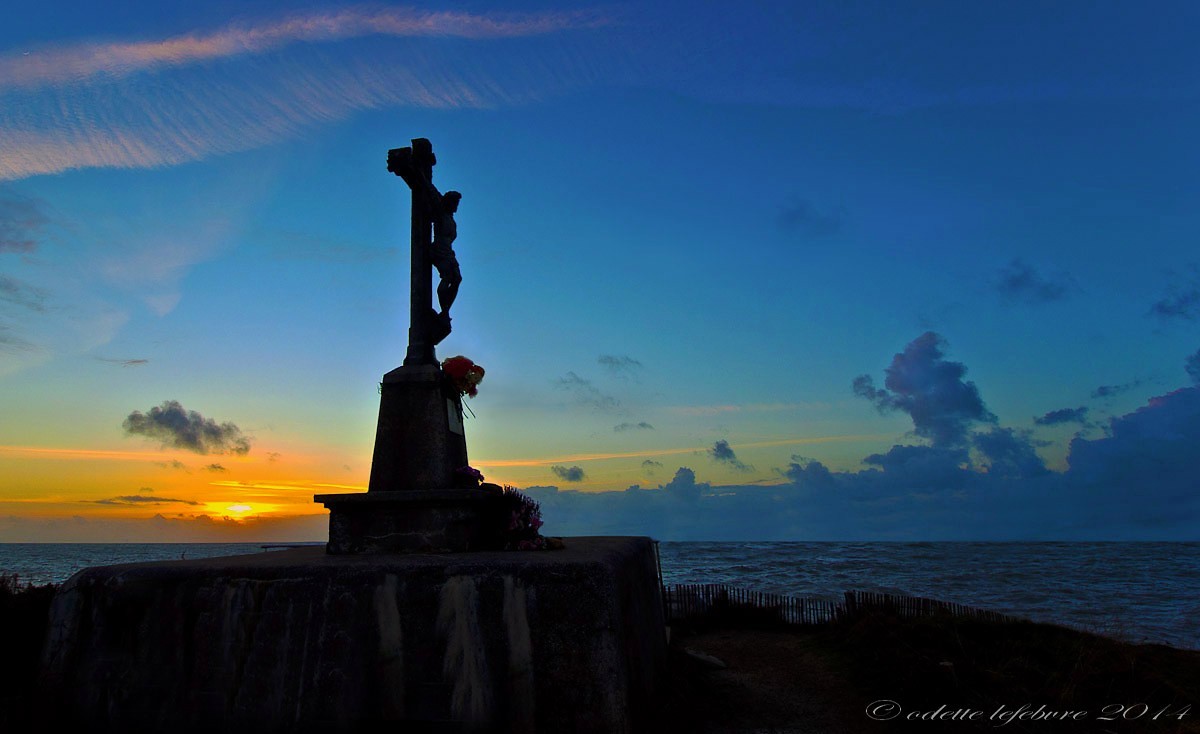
(53, 563)
(1142, 592)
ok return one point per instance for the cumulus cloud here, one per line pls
(683, 486)
(1008, 452)
(568, 474)
(800, 215)
(215, 468)
(1020, 281)
(1143, 470)
(585, 393)
(21, 218)
(22, 294)
(1137, 481)
(931, 390)
(722, 453)
(178, 428)
(642, 425)
(923, 468)
(1063, 415)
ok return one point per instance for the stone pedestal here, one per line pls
(412, 503)
(419, 441)
(403, 521)
(303, 641)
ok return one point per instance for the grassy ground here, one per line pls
(978, 674)
(23, 618)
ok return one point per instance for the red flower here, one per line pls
(464, 374)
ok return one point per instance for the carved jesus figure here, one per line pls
(441, 254)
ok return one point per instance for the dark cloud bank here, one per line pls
(969, 479)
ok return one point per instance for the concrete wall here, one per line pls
(554, 641)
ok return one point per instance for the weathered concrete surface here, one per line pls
(560, 641)
(419, 440)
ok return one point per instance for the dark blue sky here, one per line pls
(686, 232)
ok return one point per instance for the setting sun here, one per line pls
(240, 509)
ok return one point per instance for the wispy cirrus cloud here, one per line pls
(21, 219)
(73, 63)
(1020, 281)
(586, 393)
(125, 362)
(160, 102)
(22, 294)
(619, 365)
(11, 342)
(802, 217)
(718, 409)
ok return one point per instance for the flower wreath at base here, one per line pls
(512, 519)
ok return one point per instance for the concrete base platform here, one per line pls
(447, 520)
(299, 641)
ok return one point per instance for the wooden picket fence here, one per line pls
(916, 606)
(699, 602)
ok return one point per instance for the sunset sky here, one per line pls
(799, 270)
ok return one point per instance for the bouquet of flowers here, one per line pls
(523, 516)
(463, 374)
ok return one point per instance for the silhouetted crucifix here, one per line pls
(430, 208)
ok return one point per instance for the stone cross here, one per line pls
(426, 328)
